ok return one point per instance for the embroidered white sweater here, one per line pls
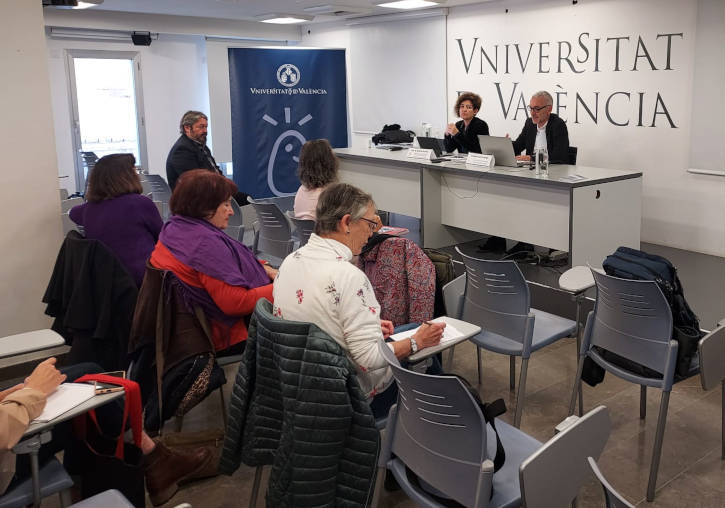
(318, 284)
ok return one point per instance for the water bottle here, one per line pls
(541, 158)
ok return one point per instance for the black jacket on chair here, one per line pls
(92, 298)
(187, 154)
(557, 139)
(297, 404)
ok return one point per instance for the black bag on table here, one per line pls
(633, 264)
(392, 134)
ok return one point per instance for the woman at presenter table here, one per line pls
(463, 135)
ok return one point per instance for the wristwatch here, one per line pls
(413, 346)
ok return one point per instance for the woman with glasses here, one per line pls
(463, 135)
(318, 284)
(543, 129)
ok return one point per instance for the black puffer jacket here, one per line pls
(297, 405)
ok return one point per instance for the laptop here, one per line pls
(501, 148)
(431, 144)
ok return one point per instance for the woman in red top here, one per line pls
(215, 272)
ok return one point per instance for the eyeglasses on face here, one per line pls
(373, 225)
(537, 109)
(465, 106)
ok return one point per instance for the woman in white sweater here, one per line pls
(319, 284)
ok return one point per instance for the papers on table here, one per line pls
(395, 231)
(65, 398)
(573, 178)
(449, 332)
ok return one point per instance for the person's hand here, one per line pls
(271, 272)
(45, 378)
(451, 129)
(523, 158)
(10, 390)
(387, 327)
(429, 334)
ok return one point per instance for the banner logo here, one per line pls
(288, 75)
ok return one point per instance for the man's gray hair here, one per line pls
(336, 201)
(546, 95)
(190, 118)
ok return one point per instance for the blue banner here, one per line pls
(280, 98)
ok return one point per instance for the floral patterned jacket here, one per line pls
(318, 284)
(403, 278)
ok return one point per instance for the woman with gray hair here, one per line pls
(318, 284)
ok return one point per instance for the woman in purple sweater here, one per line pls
(116, 213)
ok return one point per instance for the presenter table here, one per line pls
(586, 211)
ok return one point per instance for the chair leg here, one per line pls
(522, 393)
(255, 487)
(577, 389)
(578, 347)
(512, 372)
(722, 423)
(478, 355)
(657, 449)
(65, 499)
(642, 402)
(224, 405)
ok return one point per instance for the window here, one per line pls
(107, 112)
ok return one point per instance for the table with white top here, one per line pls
(30, 346)
(587, 217)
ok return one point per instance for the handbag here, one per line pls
(109, 462)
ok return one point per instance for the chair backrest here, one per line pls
(438, 431)
(303, 227)
(453, 294)
(632, 319)
(67, 204)
(553, 475)
(275, 233)
(572, 154)
(712, 358)
(497, 297)
(612, 498)
(284, 203)
(236, 219)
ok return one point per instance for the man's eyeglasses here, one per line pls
(537, 109)
(373, 225)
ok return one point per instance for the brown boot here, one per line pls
(165, 469)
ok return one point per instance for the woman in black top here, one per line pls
(463, 135)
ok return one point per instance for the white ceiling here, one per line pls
(248, 9)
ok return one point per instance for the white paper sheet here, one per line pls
(449, 332)
(65, 398)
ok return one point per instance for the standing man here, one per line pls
(190, 150)
(543, 130)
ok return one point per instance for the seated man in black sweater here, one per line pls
(544, 129)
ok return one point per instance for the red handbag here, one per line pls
(109, 462)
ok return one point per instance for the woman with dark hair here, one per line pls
(463, 135)
(216, 272)
(116, 213)
(317, 169)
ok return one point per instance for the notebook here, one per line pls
(450, 332)
(64, 398)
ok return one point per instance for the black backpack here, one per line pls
(635, 264)
(392, 134)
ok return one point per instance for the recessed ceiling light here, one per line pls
(284, 19)
(70, 4)
(337, 9)
(406, 4)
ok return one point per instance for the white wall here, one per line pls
(174, 79)
(30, 218)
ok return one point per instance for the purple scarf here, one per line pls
(207, 249)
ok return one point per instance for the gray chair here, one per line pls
(497, 299)
(612, 498)
(438, 433)
(712, 367)
(453, 294)
(67, 204)
(235, 228)
(45, 481)
(273, 232)
(632, 319)
(553, 475)
(303, 228)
